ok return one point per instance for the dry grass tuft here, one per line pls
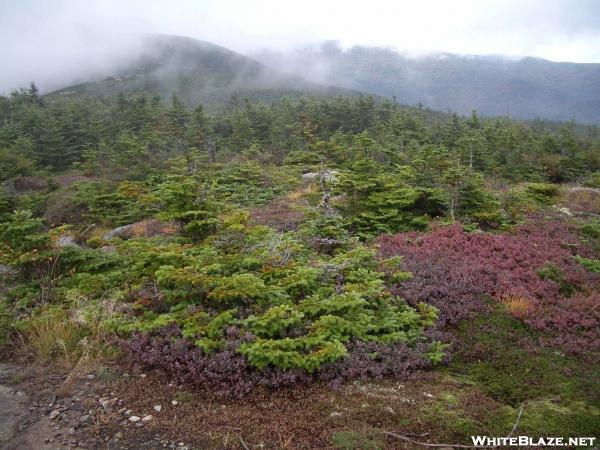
(61, 337)
(518, 307)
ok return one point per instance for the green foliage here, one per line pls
(593, 265)
(6, 322)
(551, 272)
(14, 164)
(23, 240)
(542, 192)
(383, 201)
(300, 311)
(592, 180)
(591, 229)
(299, 297)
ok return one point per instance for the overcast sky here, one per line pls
(55, 41)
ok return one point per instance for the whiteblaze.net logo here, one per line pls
(527, 441)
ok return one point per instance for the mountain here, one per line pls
(198, 72)
(525, 88)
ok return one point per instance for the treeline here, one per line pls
(143, 131)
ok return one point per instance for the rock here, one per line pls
(128, 412)
(118, 436)
(145, 228)
(157, 408)
(389, 409)
(121, 411)
(135, 419)
(147, 418)
(66, 240)
(174, 402)
(84, 418)
(107, 402)
(336, 414)
(6, 270)
(328, 175)
(143, 375)
(564, 211)
(90, 376)
(54, 414)
(71, 431)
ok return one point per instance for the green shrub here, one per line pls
(592, 180)
(6, 322)
(301, 308)
(542, 193)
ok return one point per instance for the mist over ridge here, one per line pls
(520, 87)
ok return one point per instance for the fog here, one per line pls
(59, 42)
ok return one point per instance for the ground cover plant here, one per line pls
(309, 245)
(532, 271)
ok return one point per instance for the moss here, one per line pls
(499, 359)
(554, 417)
(349, 440)
(561, 395)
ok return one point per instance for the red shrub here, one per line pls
(456, 271)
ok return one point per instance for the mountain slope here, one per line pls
(521, 88)
(198, 72)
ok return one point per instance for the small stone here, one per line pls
(335, 414)
(147, 418)
(389, 409)
(174, 402)
(90, 376)
(118, 436)
(134, 419)
(128, 412)
(72, 431)
(122, 410)
(143, 375)
(84, 418)
(157, 408)
(54, 414)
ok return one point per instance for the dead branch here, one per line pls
(425, 444)
(243, 442)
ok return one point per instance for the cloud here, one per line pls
(61, 41)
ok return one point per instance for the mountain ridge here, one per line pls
(198, 72)
(523, 88)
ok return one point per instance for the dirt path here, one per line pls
(42, 409)
(20, 427)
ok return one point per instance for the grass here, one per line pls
(517, 307)
(57, 335)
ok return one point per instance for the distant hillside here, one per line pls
(198, 72)
(521, 88)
